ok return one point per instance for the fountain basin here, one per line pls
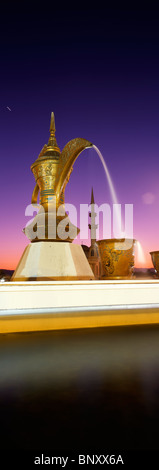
(60, 305)
(117, 258)
(155, 260)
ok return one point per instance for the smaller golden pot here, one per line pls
(155, 260)
(117, 258)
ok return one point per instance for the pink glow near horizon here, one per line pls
(13, 244)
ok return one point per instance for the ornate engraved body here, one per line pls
(117, 258)
(155, 261)
(52, 171)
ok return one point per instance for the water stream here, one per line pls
(108, 177)
(112, 192)
(140, 256)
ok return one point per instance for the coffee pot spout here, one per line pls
(67, 159)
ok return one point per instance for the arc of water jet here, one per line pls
(111, 186)
(112, 190)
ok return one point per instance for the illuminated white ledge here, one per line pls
(59, 294)
(48, 305)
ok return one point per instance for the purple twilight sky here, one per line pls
(97, 68)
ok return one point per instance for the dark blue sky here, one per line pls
(97, 68)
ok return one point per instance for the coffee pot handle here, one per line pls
(35, 194)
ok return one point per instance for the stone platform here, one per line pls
(49, 260)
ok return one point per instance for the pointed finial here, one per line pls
(52, 148)
(92, 197)
(52, 124)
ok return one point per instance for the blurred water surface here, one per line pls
(69, 389)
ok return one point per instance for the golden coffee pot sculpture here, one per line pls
(53, 260)
(52, 171)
